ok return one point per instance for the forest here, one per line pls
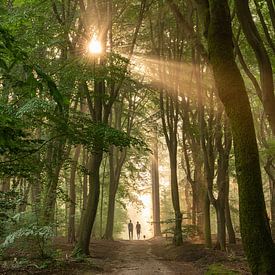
(160, 112)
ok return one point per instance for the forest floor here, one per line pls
(155, 256)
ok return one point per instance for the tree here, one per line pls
(155, 185)
(255, 231)
(255, 41)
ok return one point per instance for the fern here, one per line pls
(40, 235)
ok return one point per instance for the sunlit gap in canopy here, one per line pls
(170, 75)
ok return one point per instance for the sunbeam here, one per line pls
(173, 76)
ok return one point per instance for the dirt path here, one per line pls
(135, 257)
(155, 256)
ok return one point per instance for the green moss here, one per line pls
(220, 270)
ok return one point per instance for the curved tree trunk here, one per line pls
(271, 10)
(255, 230)
(89, 214)
(253, 37)
(55, 158)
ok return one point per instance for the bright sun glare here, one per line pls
(94, 46)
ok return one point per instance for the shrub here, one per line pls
(25, 232)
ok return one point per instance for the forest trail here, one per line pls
(143, 257)
(136, 257)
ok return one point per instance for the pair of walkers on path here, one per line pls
(131, 229)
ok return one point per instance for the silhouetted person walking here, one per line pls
(138, 228)
(130, 230)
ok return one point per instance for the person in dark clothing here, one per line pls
(130, 230)
(138, 228)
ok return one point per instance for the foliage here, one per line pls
(28, 233)
(97, 136)
(189, 231)
(9, 200)
(269, 151)
(18, 71)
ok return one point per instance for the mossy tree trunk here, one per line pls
(270, 170)
(254, 225)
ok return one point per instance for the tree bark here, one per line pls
(207, 221)
(255, 231)
(228, 220)
(116, 164)
(264, 26)
(175, 198)
(155, 186)
(72, 196)
(89, 214)
(169, 117)
(270, 170)
(55, 159)
(271, 10)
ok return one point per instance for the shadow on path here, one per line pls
(135, 257)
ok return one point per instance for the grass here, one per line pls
(219, 269)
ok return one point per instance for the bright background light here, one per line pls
(94, 46)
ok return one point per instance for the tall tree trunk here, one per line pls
(85, 164)
(194, 208)
(229, 224)
(228, 220)
(271, 10)
(255, 230)
(187, 194)
(155, 186)
(89, 214)
(55, 158)
(169, 117)
(102, 198)
(270, 170)
(202, 207)
(221, 233)
(85, 179)
(175, 198)
(112, 196)
(72, 196)
(223, 142)
(207, 221)
(117, 160)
